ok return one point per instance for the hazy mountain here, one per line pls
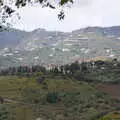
(39, 38)
(115, 30)
(41, 46)
(11, 37)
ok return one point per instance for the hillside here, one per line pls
(74, 91)
(56, 98)
(47, 47)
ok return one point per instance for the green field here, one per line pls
(58, 98)
(112, 116)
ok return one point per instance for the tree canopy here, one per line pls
(7, 7)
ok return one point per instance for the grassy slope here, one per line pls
(79, 100)
(9, 86)
(112, 116)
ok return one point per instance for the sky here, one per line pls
(83, 13)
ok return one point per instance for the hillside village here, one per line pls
(58, 48)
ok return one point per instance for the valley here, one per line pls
(52, 75)
(59, 48)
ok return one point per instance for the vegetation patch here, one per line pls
(112, 116)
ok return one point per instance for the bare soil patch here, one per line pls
(111, 89)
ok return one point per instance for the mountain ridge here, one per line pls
(45, 47)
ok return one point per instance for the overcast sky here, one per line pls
(84, 13)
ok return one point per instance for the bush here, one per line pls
(5, 113)
(39, 80)
(99, 94)
(52, 97)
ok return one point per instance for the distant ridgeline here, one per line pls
(92, 71)
(45, 47)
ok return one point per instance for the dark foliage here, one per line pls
(40, 79)
(97, 71)
(1, 100)
(23, 70)
(52, 97)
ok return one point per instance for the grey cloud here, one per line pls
(83, 3)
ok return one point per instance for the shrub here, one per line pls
(5, 113)
(52, 97)
(39, 80)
